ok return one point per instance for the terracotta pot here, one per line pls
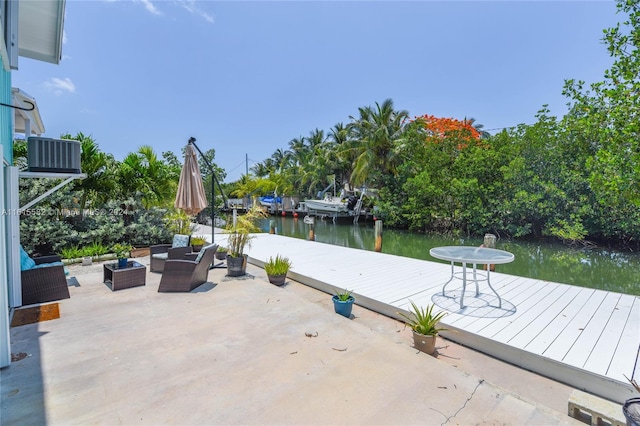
(426, 344)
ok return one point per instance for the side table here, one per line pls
(134, 275)
(473, 256)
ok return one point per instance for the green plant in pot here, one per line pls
(122, 252)
(221, 253)
(424, 323)
(343, 302)
(240, 238)
(198, 242)
(277, 268)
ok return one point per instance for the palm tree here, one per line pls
(343, 152)
(472, 122)
(377, 132)
(260, 170)
(142, 172)
(100, 169)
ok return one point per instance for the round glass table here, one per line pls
(467, 255)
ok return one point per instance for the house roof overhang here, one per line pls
(40, 29)
(21, 99)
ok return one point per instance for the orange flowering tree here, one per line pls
(439, 129)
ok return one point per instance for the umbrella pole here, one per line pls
(213, 198)
(192, 141)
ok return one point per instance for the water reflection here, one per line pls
(596, 268)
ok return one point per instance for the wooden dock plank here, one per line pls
(526, 311)
(522, 301)
(567, 337)
(600, 358)
(627, 353)
(522, 336)
(585, 344)
(545, 339)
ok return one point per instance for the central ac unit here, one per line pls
(53, 155)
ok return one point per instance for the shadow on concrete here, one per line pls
(204, 288)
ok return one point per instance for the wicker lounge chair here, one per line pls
(185, 275)
(40, 285)
(162, 252)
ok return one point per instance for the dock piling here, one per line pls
(378, 235)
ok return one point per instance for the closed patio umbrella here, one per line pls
(191, 197)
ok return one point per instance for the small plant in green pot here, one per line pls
(277, 268)
(122, 252)
(343, 302)
(424, 323)
(197, 243)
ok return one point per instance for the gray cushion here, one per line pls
(160, 256)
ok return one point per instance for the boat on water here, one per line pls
(269, 201)
(331, 204)
(335, 207)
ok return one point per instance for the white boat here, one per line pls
(347, 204)
(329, 204)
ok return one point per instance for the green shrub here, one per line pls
(423, 320)
(199, 241)
(343, 295)
(72, 252)
(277, 266)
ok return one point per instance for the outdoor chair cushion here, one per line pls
(199, 257)
(26, 262)
(180, 240)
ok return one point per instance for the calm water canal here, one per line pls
(596, 268)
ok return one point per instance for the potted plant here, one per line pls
(221, 253)
(197, 243)
(424, 324)
(277, 268)
(122, 252)
(343, 302)
(240, 238)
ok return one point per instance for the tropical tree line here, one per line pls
(575, 178)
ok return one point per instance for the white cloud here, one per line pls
(148, 4)
(190, 5)
(60, 85)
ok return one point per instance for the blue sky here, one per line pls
(247, 77)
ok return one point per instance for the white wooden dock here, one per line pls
(587, 338)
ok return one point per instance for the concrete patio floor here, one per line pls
(242, 351)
